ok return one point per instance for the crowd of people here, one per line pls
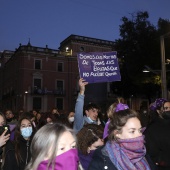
(81, 140)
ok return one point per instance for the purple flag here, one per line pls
(97, 67)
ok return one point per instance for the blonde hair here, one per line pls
(44, 140)
(112, 107)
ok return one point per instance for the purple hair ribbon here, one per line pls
(121, 106)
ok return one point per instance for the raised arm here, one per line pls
(78, 118)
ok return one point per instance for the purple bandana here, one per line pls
(66, 161)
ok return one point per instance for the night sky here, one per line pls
(48, 22)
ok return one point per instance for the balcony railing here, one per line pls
(45, 91)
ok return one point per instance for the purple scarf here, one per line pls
(128, 154)
(66, 161)
(85, 159)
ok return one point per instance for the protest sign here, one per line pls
(97, 67)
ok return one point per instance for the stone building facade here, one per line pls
(42, 78)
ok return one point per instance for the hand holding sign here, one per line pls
(82, 84)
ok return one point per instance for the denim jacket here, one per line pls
(79, 119)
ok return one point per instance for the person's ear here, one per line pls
(116, 133)
(87, 113)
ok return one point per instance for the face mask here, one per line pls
(26, 132)
(91, 121)
(70, 156)
(71, 119)
(166, 114)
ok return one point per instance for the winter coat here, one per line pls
(10, 162)
(157, 137)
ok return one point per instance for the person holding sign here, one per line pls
(91, 110)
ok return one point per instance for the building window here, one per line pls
(37, 102)
(59, 103)
(60, 67)
(82, 49)
(60, 85)
(37, 64)
(37, 83)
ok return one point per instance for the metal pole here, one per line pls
(163, 72)
(24, 101)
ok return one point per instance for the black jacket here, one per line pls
(1, 150)
(157, 137)
(10, 159)
(102, 162)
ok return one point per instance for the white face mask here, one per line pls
(90, 119)
(71, 119)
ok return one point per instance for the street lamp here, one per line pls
(163, 63)
(148, 69)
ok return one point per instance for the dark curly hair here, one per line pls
(91, 106)
(89, 134)
(119, 120)
(43, 119)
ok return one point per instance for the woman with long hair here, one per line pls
(18, 154)
(54, 148)
(125, 147)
